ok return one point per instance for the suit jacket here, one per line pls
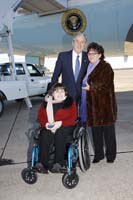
(64, 67)
(101, 101)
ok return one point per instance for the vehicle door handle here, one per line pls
(32, 80)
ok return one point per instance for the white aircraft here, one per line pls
(46, 27)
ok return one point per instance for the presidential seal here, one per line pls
(73, 21)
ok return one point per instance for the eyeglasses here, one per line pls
(92, 54)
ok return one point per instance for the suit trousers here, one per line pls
(104, 139)
(59, 139)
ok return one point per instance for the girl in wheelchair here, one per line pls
(57, 117)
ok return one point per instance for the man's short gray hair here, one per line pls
(80, 34)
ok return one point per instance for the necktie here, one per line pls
(77, 68)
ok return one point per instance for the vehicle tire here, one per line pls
(1, 107)
(70, 181)
(29, 176)
(84, 155)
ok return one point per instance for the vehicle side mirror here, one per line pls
(43, 73)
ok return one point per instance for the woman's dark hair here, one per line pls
(68, 101)
(96, 47)
(57, 86)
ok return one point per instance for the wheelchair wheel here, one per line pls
(1, 107)
(29, 176)
(84, 155)
(70, 181)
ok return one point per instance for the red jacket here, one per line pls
(68, 115)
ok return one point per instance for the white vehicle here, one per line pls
(43, 69)
(28, 82)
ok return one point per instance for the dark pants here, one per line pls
(104, 136)
(59, 139)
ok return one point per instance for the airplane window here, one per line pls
(33, 71)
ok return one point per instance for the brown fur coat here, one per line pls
(101, 102)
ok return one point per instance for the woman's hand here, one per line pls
(87, 87)
(49, 126)
(53, 127)
(56, 126)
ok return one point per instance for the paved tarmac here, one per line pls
(103, 181)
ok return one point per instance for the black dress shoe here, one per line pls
(95, 161)
(110, 161)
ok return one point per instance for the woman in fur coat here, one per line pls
(101, 104)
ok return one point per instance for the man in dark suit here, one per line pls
(66, 67)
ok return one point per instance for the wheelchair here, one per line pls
(77, 155)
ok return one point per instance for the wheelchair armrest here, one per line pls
(37, 132)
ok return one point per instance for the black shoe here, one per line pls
(97, 160)
(63, 169)
(40, 169)
(110, 161)
(56, 168)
